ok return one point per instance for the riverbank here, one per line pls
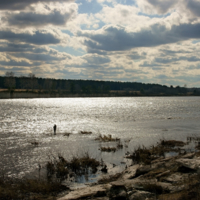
(167, 171)
(154, 175)
(35, 94)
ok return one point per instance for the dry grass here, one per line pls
(61, 167)
(108, 149)
(106, 138)
(86, 132)
(67, 134)
(146, 156)
(83, 164)
(141, 155)
(172, 143)
(25, 189)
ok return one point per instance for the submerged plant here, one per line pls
(106, 138)
(108, 149)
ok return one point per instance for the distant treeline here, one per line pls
(47, 85)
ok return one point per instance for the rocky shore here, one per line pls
(153, 175)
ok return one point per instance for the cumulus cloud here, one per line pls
(44, 15)
(22, 4)
(38, 37)
(96, 59)
(33, 19)
(126, 40)
(136, 56)
(156, 6)
(44, 57)
(194, 7)
(117, 38)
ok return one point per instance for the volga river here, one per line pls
(142, 120)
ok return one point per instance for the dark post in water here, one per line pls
(54, 129)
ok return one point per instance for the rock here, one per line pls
(162, 174)
(188, 155)
(130, 172)
(193, 164)
(136, 183)
(141, 195)
(143, 170)
(118, 191)
(175, 178)
(94, 191)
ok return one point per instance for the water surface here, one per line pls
(144, 120)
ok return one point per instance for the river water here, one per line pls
(142, 120)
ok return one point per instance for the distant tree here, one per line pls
(72, 87)
(10, 82)
(32, 82)
(10, 74)
(31, 75)
(48, 84)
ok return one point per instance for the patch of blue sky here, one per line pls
(88, 7)
(109, 4)
(195, 41)
(69, 50)
(154, 16)
(127, 2)
(68, 32)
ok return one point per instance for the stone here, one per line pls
(188, 155)
(141, 195)
(143, 170)
(193, 164)
(162, 174)
(175, 178)
(94, 191)
(129, 173)
(118, 191)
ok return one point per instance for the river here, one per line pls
(142, 120)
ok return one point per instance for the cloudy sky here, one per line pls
(149, 41)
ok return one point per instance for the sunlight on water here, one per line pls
(143, 120)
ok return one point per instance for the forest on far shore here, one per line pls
(31, 83)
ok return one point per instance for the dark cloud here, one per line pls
(191, 59)
(42, 57)
(162, 6)
(37, 38)
(164, 60)
(194, 7)
(33, 19)
(134, 71)
(166, 51)
(17, 47)
(151, 65)
(19, 63)
(191, 67)
(100, 52)
(21, 4)
(161, 76)
(136, 56)
(97, 60)
(118, 39)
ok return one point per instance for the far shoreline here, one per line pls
(5, 94)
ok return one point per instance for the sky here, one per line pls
(148, 41)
